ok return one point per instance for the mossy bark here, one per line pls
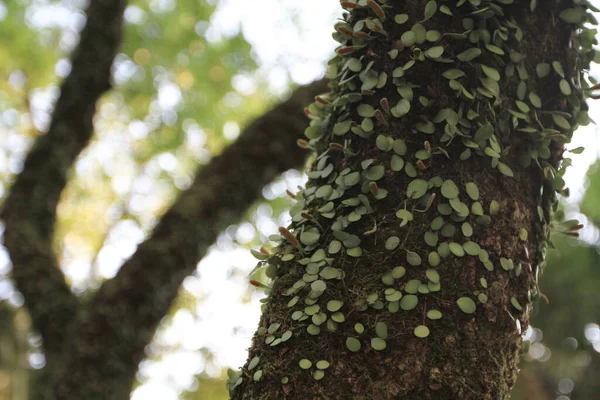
(464, 108)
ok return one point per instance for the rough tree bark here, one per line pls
(92, 350)
(411, 263)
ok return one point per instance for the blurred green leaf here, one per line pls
(590, 205)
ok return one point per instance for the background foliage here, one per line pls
(190, 75)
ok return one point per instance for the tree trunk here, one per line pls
(411, 263)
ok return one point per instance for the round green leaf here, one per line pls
(432, 275)
(310, 237)
(433, 36)
(434, 314)
(334, 305)
(378, 344)
(467, 229)
(494, 49)
(453, 74)
(353, 344)
(352, 179)
(431, 238)
(408, 38)
(561, 121)
(375, 173)
(359, 328)
(253, 363)
(412, 286)
(471, 248)
(342, 127)
(542, 70)
(467, 305)
(477, 208)
(491, 72)
(420, 34)
(469, 55)
(523, 234)
(395, 296)
(444, 250)
(354, 252)
(472, 190)
(392, 242)
(456, 249)
(435, 52)
(286, 336)
(565, 88)
(313, 329)
(535, 100)
(422, 331)
(399, 147)
(330, 273)
(338, 317)
(400, 18)
(417, 188)
(515, 303)
(433, 259)
(258, 375)
(381, 330)
(322, 364)
(505, 169)
(494, 208)
(437, 223)
(382, 143)
(449, 189)
(334, 247)
(387, 279)
(430, 9)
(318, 375)
(305, 364)
(318, 286)
(397, 163)
(413, 258)
(398, 272)
(273, 327)
(409, 302)
(365, 110)
(448, 230)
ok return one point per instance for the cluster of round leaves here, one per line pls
(319, 372)
(490, 55)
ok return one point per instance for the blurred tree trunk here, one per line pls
(14, 370)
(411, 264)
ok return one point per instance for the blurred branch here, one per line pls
(30, 210)
(122, 318)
